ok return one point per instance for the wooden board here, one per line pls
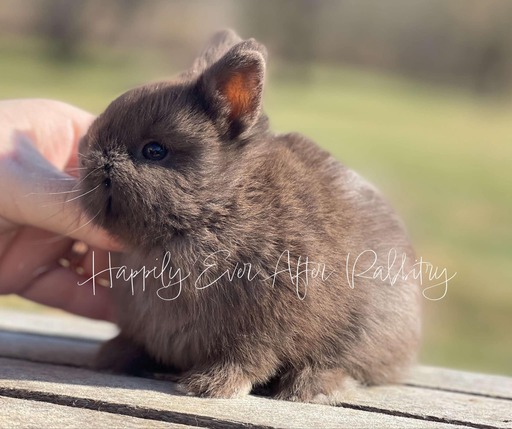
(160, 400)
(51, 370)
(19, 413)
(493, 386)
(62, 325)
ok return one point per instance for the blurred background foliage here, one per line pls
(414, 94)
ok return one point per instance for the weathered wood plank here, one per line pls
(21, 414)
(381, 407)
(461, 381)
(61, 325)
(48, 348)
(70, 352)
(443, 405)
(438, 395)
(80, 352)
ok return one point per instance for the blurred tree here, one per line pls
(461, 42)
(60, 22)
(492, 71)
(289, 27)
(491, 63)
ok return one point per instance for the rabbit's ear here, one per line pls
(232, 88)
(216, 47)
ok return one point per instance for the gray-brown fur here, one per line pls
(230, 184)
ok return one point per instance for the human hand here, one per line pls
(40, 215)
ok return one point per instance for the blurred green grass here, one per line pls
(442, 156)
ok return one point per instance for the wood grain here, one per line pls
(19, 413)
(64, 385)
(44, 361)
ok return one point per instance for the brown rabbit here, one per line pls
(258, 234)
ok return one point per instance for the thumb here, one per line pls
(42, 196)
(61, 212)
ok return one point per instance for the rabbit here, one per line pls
(188, 171)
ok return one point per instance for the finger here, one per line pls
(59, 288)
(35, 191)
(58, 141)
(90, 262)
(53, 126)
(29, 253)
(68, 220)
(99, 263)
(52, 200)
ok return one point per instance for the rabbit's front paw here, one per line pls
(227, 381)
(316, 386)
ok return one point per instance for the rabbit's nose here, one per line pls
(107, 169)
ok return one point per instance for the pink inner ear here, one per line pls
(240, 90)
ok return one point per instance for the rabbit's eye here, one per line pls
(154, 151)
